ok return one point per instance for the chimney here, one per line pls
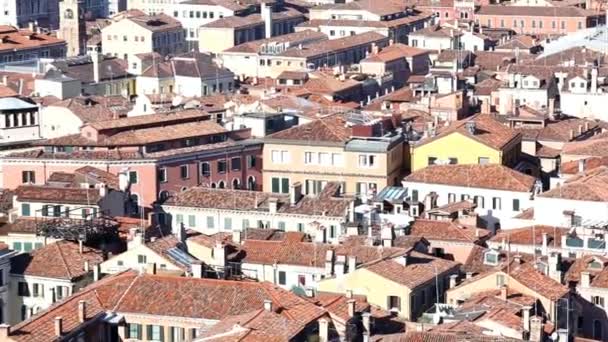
(295, 193)
(551, 108)
(103, 190)
(585, 279)
(594, 80)
(80, 247)
(323, 330)
(525, 314)
(151, 268)
(82, 311)
(517, 259)
(351, 307)
(571, 134)
(366, 317)
(352, 263)
(197, 269)
(96, 272)
(266, 13)
(58, 326)
(123, 179)
(272, 205)
(340, 265)
(386, 235)
(87, 266)
(349, 294)
(375, 48)
(31, 26)
(536, 329)
(96, 57)
(329, 262)
(581, 165)
(470, 127)
(237, 236)
(268, 305)
(555, 269)
(5, 330)
(469, 275)
(504, 293)
(402, 260)
(219, 254)
(453, 279)
(545, 244)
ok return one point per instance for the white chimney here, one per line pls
(323, 330)
(453, 279)
(581, 165)
(96, 272)
(97, 58)
(123, 179)
(545, 244)
(295, 193)
(103, 190)
(5, 330)
(594, 80)
(237, 236)
(351, 307)
(585, 279)
(340, 265)
(352, 263)
(197, 269)
(266, 13)
(82, 311)
(386, 235)
(268, 305)
(272, 205)
(526, 317)
(219, 254)
(58, 326)
(329, 262)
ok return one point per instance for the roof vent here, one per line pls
(470, 127)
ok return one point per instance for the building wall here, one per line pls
(224, 38)
(191, 326)
(598, 313)
(587, 105)
(36, 208)
(129, 260)
(241, 219)
(270, 273)
(58, 121)
(549, 211)
(509, 97)
(532, 25)
(434, 43)
(193, 15)
(487, 212)
(455, 145)
(194, 86)
(387, 169)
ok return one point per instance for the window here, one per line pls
(301, 280)
(415, 197)
(577, 221)
(451, 198)
(324, 158)
(281, 225)
(142, 259)
(134, 331)
(235, 164)
(394, 303)
(27, 247)
(38, 290)
(300, 227)
(336, 159)
(133, 177)
(23, 290)
(453, 161)
(227, 223)
(155, 333)
(205, 169)
(191, 221)
(310, 158)
(598, 300)
(28, 177)
(162, 175)
(250, 161)
(367, 160)
(210, 222)
(1, 280)
(56, 210)
(515, 205)
(491, 258)
(282, 278)
(483, 160)
(496, 203)
(25, 209)
(280, 185)
(221, 166)
(431, 161)
(24, 312)
(500, 280)
(563, 25)
(332, 231)
(183, 172)
(279, 157)
(17, 246)
(479, 201)
(179, 219)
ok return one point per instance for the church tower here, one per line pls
(72, 27)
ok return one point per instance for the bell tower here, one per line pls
(72, 26)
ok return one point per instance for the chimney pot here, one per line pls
(197, 269)
(5, 331)
(504, 293)
(96, 272)
(82, 311)
(58, 326)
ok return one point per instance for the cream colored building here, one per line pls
(362, 157)
(134, 33)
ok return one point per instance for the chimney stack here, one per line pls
(386, 235)
(97, 58)
(504, 293)
(58, 326)
(237, 236)
(266, 13)
(585, 279)
(545, 244)
(349, 294)
(366, 317)
(268, 305)
(197, 269)
(96, 272)
(5, 331)
(351, 307)
(323, 330)
(526, 317)
(82, 311)
(296, 193)
(87, 266)
(453, 279)
(352, 263)
(581, 165)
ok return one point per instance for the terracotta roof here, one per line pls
(443, 336)
(532, 235)
(143, 121)
(420, 269)
(488, 131)
(519, 42)
(336, 304)
(588, 186)
(395, 52)
(6, 200)
(454, 207)
(437, 31)
(488, 176)
(61, 177)
(110, 68)
(198, 65)
(332, 128)
(527, 274)
(334, 45)
(237, 22)
(598, 276)
(560, 130)
(58, 260)
(95, 108)
(445, 231)
(162, 245)
(572, 167)
(589, 147)
(51, 194)
(532, 11)
(309, 254)
(383, 8)
(326, 203)
(490, 60)
(98, 175)
(13, 39)
(155, 23)
(294, 39)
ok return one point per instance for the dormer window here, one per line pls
(491, 258)
(595, 265)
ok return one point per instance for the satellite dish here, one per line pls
(176, 101)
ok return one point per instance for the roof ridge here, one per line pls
(122, 297)
(63, 259)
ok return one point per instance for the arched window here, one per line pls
(236, 183)
(597, 330)
(68, 14)
(221, 185)
(251, 183)
(213, 186)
